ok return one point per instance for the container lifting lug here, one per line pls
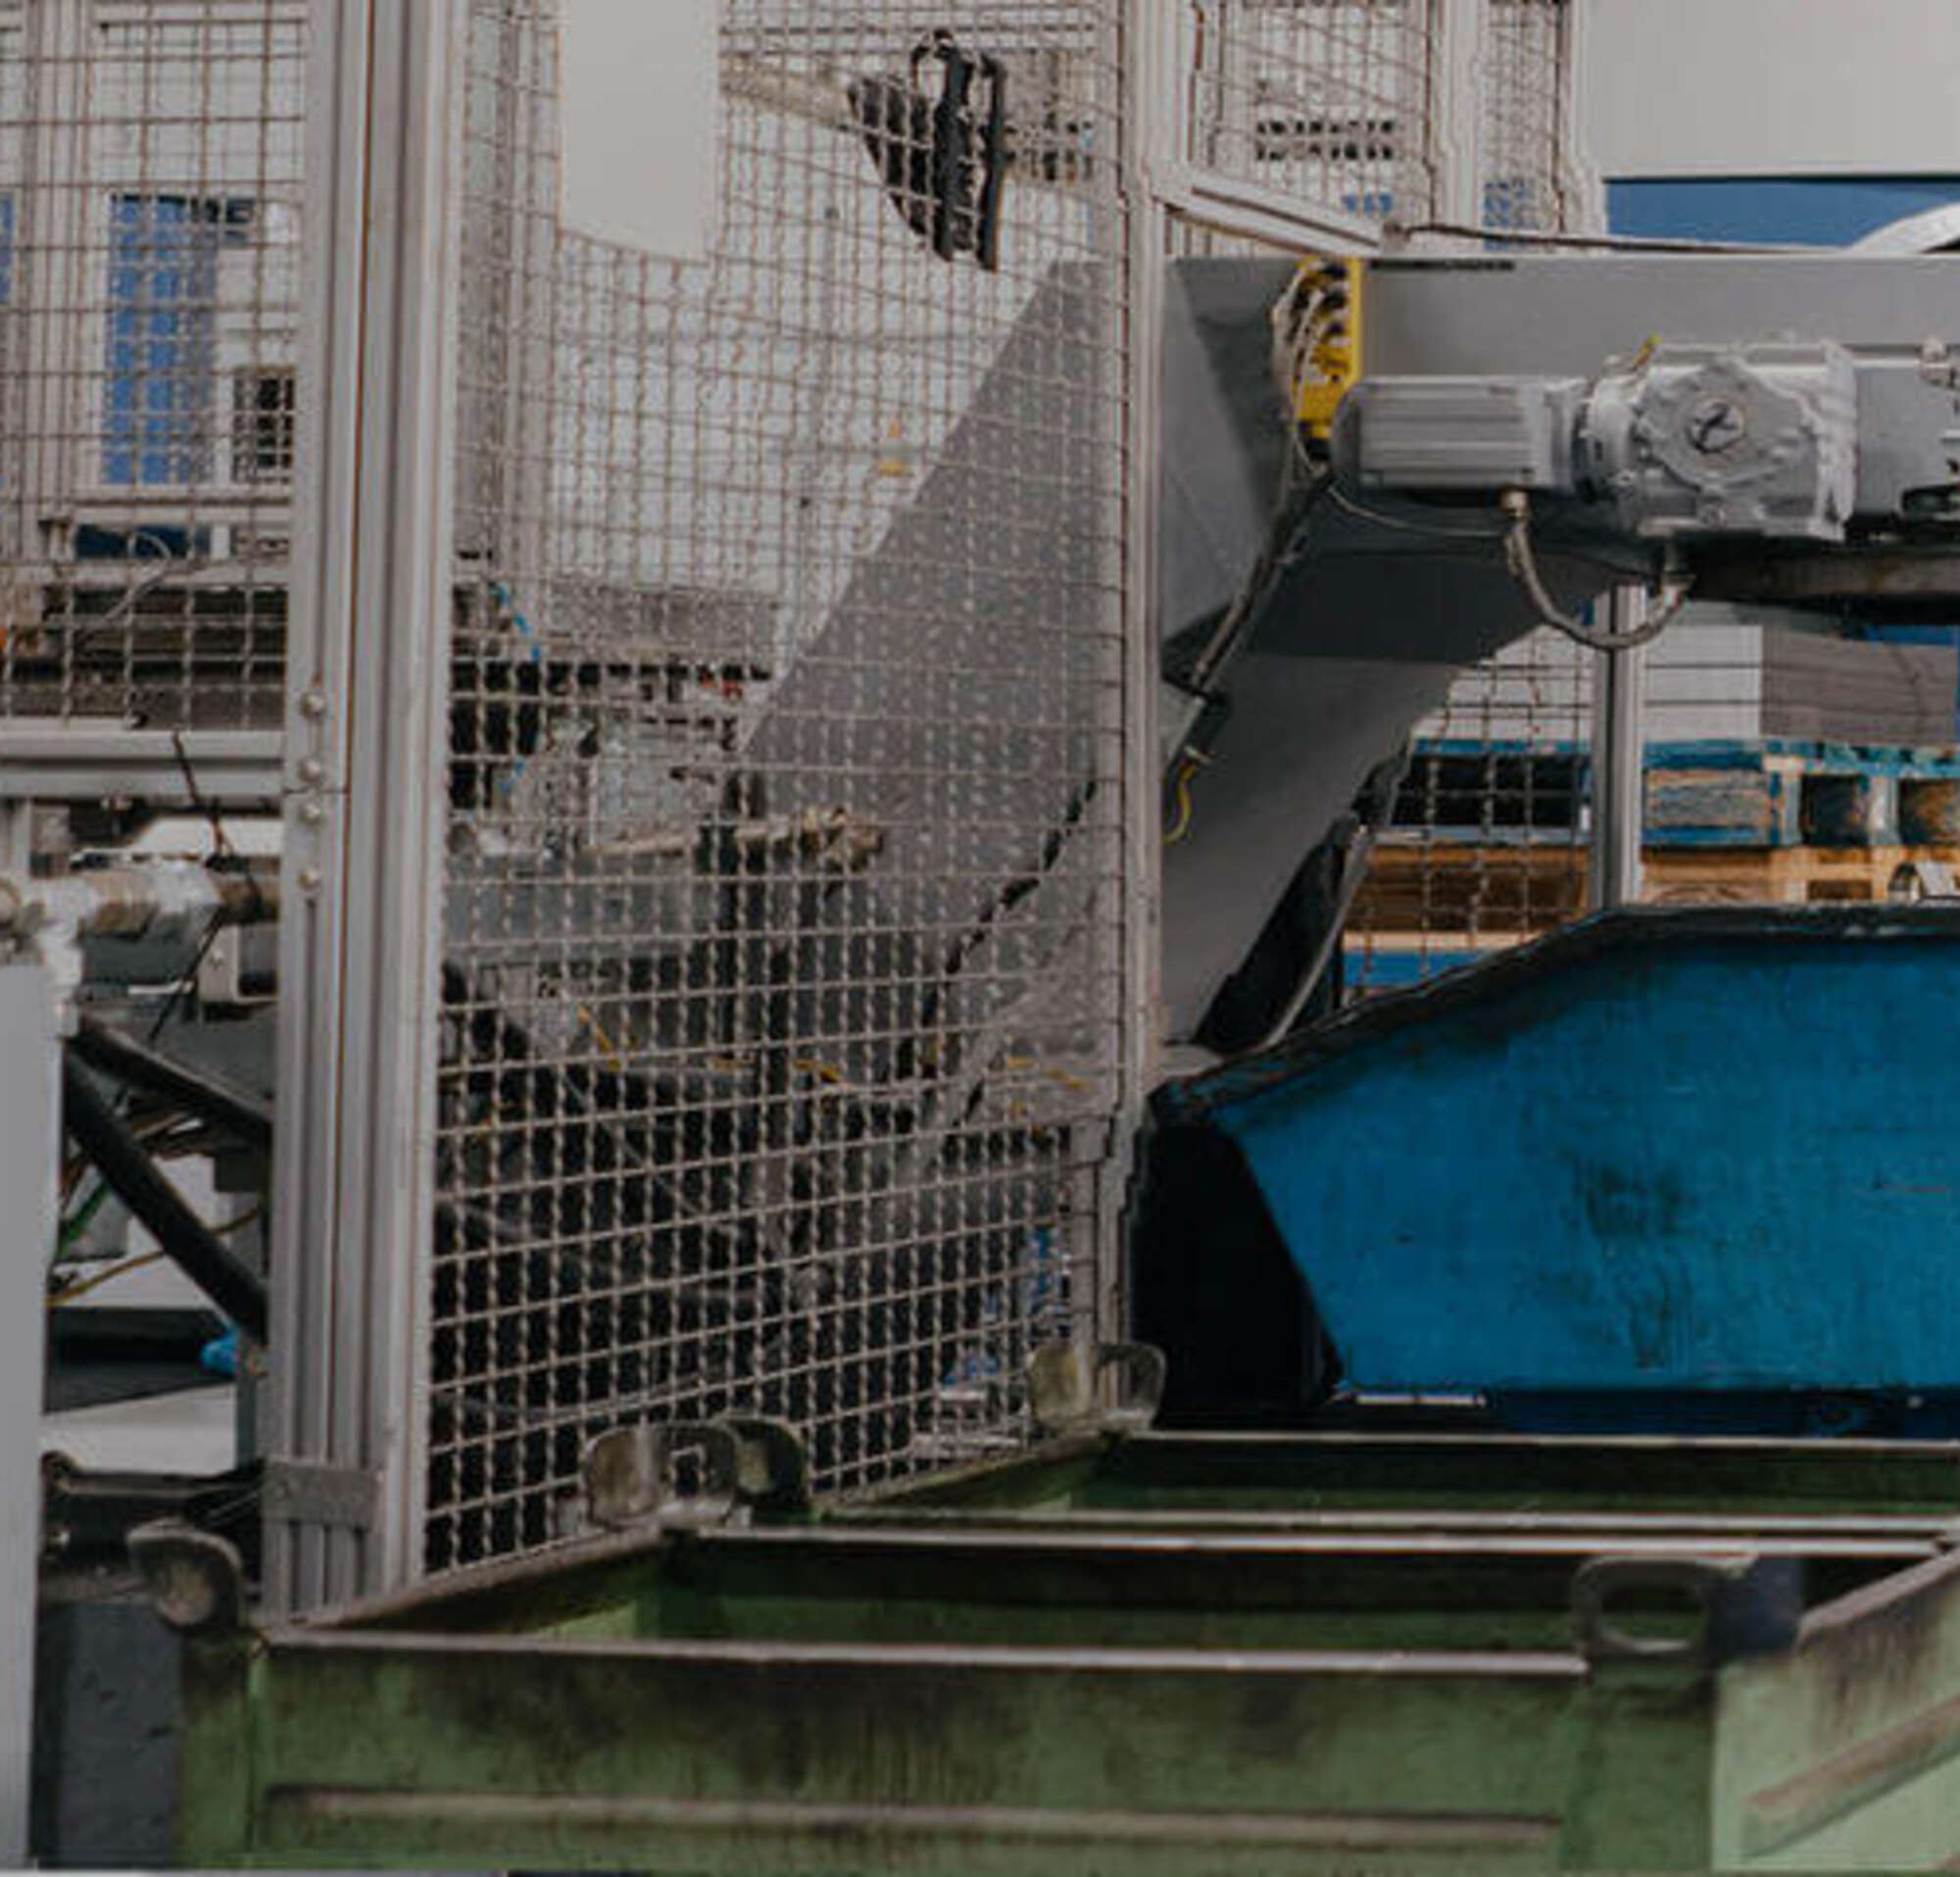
(696, 1473)
(1110, 1388)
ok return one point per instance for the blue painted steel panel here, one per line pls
(1824, 211)
(1379, 969)
(1664, 1150)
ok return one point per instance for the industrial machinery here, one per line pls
(714, 910)
(1605, 1180)
(1528, 433)
(1578, 1252)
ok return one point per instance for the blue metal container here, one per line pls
(1693, 1167)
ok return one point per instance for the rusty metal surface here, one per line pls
(1431, 1474)
(1845, 1754)
(1373, 1654)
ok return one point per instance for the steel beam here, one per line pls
(1619, 797)
(42, 760)
(29, 1163)
(366, 702)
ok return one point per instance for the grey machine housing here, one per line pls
(1777, 429)
(1757, 441)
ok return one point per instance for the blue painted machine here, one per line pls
(1668, 1167)
(1671, 1168)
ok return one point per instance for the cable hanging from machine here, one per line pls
(1522, 559)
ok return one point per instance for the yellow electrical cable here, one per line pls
(68, 1293)
(1187, 769)
(1073, 1083)
(83, 1286)
(614, 1060)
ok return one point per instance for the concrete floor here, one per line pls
(193, 1432)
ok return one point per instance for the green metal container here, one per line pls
(1140, 1653)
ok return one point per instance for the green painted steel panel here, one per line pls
(1345, 1670)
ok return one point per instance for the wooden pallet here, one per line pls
(1499, 892)
(1442, 886)
(1810, 876)
(1712, 793)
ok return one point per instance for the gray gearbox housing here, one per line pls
(1698, 440)
(1689, 440)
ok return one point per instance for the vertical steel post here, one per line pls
(1618, 794)
(1151, 116)
(29, 1163)
(1456, 118)
(1581, 188)
(52, 239)
(367, 712)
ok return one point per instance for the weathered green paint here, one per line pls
(1002, 1686)
(1290, 1472)
(217, 1759)
(670, 1755)
(1844, 1752)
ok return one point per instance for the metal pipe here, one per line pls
(153, 901)
(137, 1181)
(1618, 797)
(1354, 870)
(116, 1053)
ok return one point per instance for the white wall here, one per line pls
(640, 118)
(1772, 87)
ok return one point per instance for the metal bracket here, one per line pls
(633, 1475)
(197, 1582)
(771, 1465)
(1108, 1388)
(1746, 1607)
(744, 1465)
(306, 1493)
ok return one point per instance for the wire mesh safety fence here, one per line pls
(1329, 102)
(783, 982)
(150, 194)
(1488, 841)
(1527, 132)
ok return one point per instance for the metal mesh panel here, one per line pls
(1786, 767)
(1489, 840)
(1527, 131)
(782, 986)
(1327, 101)
(149, 242)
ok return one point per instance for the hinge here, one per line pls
(306, 1493)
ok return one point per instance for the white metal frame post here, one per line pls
(53, 256)
(29, 1163)
(366, 743)
(1150, 120)
(1619, 739)
(1583, 187)
(1456, 117)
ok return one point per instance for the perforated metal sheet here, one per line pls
(783, 993)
